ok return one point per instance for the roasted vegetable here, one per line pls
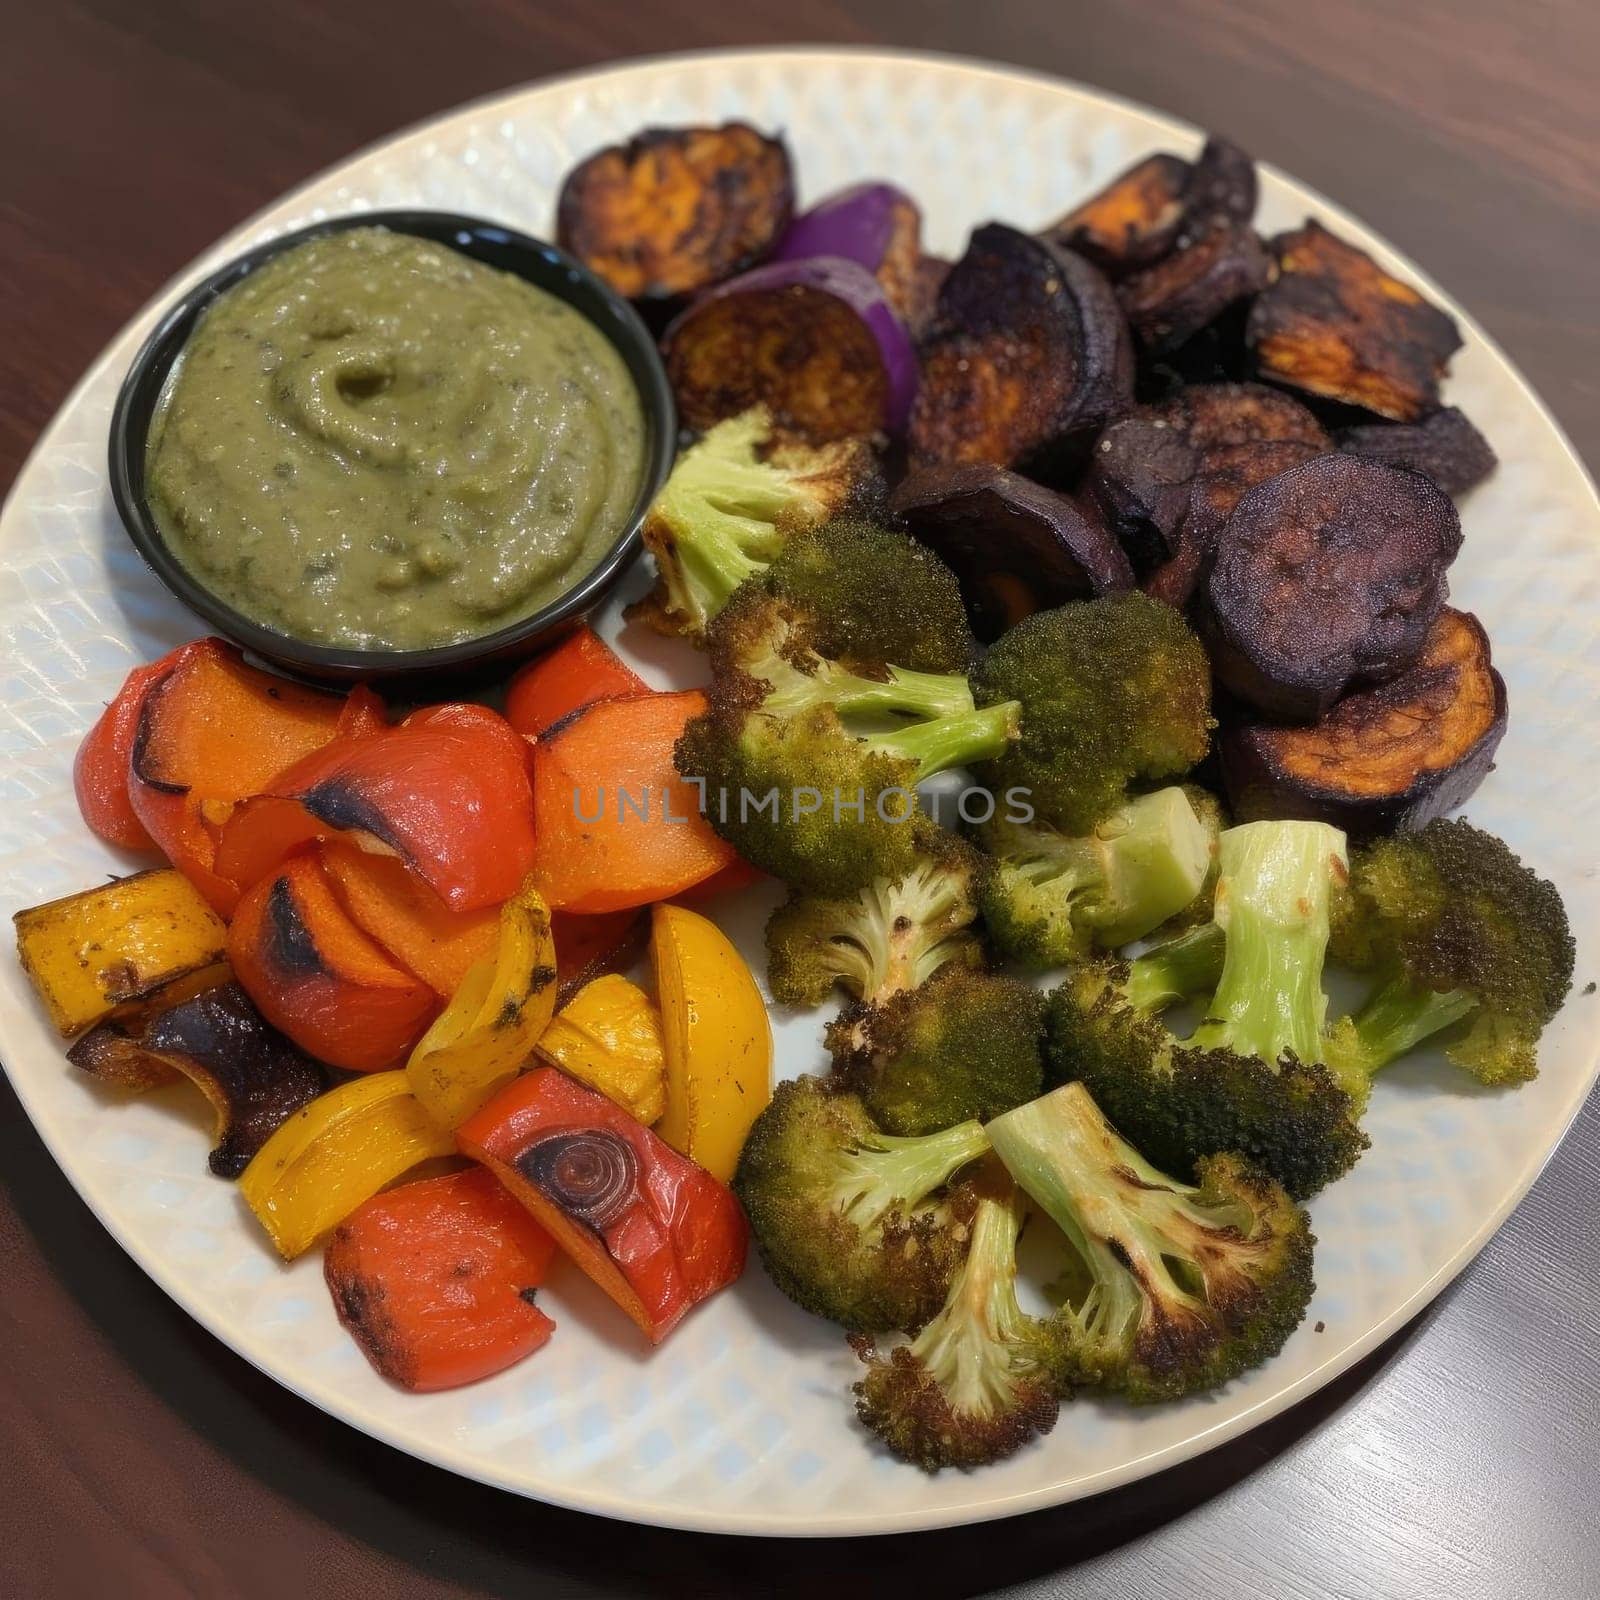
(435, 1280)
(335, 1153)
(589, 946)
(252, 1076)
(1016, 546)
(487, 1033)
(609, 1037)
(1459, 936)
(651, 1228)
(853, 1225)
(816, 342)
(963, 1046)
(1142, 466)
(1444, 446)
(1168, 303)
(1050, 898)
(581, 669)
(716, 1036)
(1180, 1287)
(1383, 760)
(981, 1379)
(1222, 186)
(1029, 358)
(875, 224)
(1115, 694)
(676, 210)
(732, 502)
(1134, 220)
(1335, 324)
(97, 950)
(113, 1052)
(1326, 577)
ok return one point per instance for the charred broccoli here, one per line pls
(893, 934)
(1115, 695)
(1457, 931)
(851, 1224)
(1251, 1078)
(966, 1044)
(1051, 898)
(982, 1378)
(1182, 1286)
(810, 761)
(731, 503)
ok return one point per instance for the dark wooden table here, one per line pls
(139, 1457)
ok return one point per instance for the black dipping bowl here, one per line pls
(537, 263)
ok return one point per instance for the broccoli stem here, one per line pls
(1178, 969)
(951, 741)
(1396, 1018)
(1272, 903)
(897, 1173)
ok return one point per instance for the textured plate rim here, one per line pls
(670, 1515)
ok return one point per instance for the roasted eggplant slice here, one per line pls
(1029, 358)
(1016, 546)
(1141, 467)
(816, 342)
(1326, 577)
(1131, 222)
(676, 210)
(1386, 759)
(1169, 303)
(1335, 324)
(1445, 447)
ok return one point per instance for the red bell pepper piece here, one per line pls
(579, 671)
(448, 790)
(656, 1232)
(435, 1280)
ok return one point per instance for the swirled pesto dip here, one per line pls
(374, 441)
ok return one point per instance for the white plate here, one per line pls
(742, 1423)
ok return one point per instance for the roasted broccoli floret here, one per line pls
(966, 1044)
(893, 934)
(1460, 935)
(982, 1378)
(852, 1224)
(1052, 897)
(1116, 696)
(1251, 1078)
(810, 762)
(1183, 1286)
(731, 503)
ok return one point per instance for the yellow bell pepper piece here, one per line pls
(717, 1036)
(336, 1153)
(92, 952)
(485, 1036)
(609, 1037)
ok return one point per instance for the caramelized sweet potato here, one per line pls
(1016, 546)
(1335, 324)
(1445, 447)
(676, 210)
(922, 294)
(1169, 303)
(1327, 576)
(1142, 466)
(1386, 759)
(1030, 356)
(1131, 222)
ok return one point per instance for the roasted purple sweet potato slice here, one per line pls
(1326, 577)
(1229, 471)
(1222, 186)
(1383, 760)
(1030, 357)
(1335, 324)
(876, 224)
(1169, 303)
(922, 294)
(1445, 447)
(676, 210)
(1141, 467)
(815, 342)
(1015, 546)
(1131, 222)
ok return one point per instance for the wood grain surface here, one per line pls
(138, 1457)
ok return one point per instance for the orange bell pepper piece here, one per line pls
(579, 671)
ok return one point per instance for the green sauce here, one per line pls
(374, 441)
